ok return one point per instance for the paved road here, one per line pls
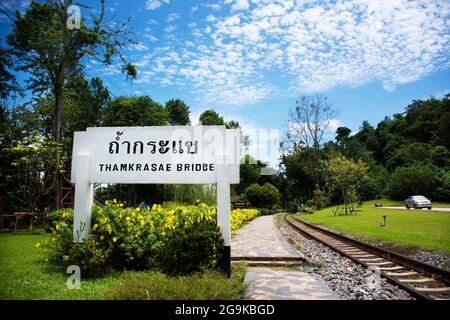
(433, 209)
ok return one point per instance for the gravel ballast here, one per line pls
(349, 280)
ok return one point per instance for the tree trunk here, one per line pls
(58, 137)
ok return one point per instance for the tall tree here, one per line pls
(134, 111)
(343, 176)
(36, 159)
(178, 112)
(309, 120)
(342, 134)
(211, 118)
(50, 51)
(8, 83)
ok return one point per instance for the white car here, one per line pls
(418, 202)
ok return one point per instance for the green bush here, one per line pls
(190, 249)
(269, 194)
(263, 211)
(264, 196)
(308, 210)
(252, 194)
(175, 239)
(207, 285)
(55, 216)
(443, 191)
(320, 199)
(277, 208)
(408, 181)
(293, 207)
(90, 256)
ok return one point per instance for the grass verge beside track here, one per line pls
(410, 228)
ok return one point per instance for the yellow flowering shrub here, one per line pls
(240, 216)
(168, 237)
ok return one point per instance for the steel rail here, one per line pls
(394, 258)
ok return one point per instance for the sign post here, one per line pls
(223, 213)
(178, 154)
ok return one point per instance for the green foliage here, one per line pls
(193, 193)
(91, 257)
(174, 239)
(277, 208)
(269, 195)
(38, 34)
(8, 83)
(232, 124)
(83, 104)
(373, 184)
(442, 192)
(51, 53)
(249, 173)
(36, 159)
(24, 276)
(308, 210)
(252, 194)
(293, 206)
(178, 112)
(343, 175)
(408, 181)
(263, 211)
(211, 118)
(409, 154)
(134, 111)
(320, 198)
(301, 173)
(207, 285)
(264, 196)
(189, 249)
(342, 134)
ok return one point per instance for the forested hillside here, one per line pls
(406, 153)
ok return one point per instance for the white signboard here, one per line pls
(158, 154)
(176, 154)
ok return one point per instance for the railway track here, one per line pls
(421, 280)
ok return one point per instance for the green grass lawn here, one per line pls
(390, 202)
(410, 228)
(24, 274)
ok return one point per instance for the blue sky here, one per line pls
(250, 60)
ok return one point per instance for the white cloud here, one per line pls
(214, 6)
(172, 17)
(8, 7)
(210, 18)
(240, 5)
(155, 4)
(315, 45)
(170, 28)
(333, 125)
(139, 46)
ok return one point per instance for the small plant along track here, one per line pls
(421, 280)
